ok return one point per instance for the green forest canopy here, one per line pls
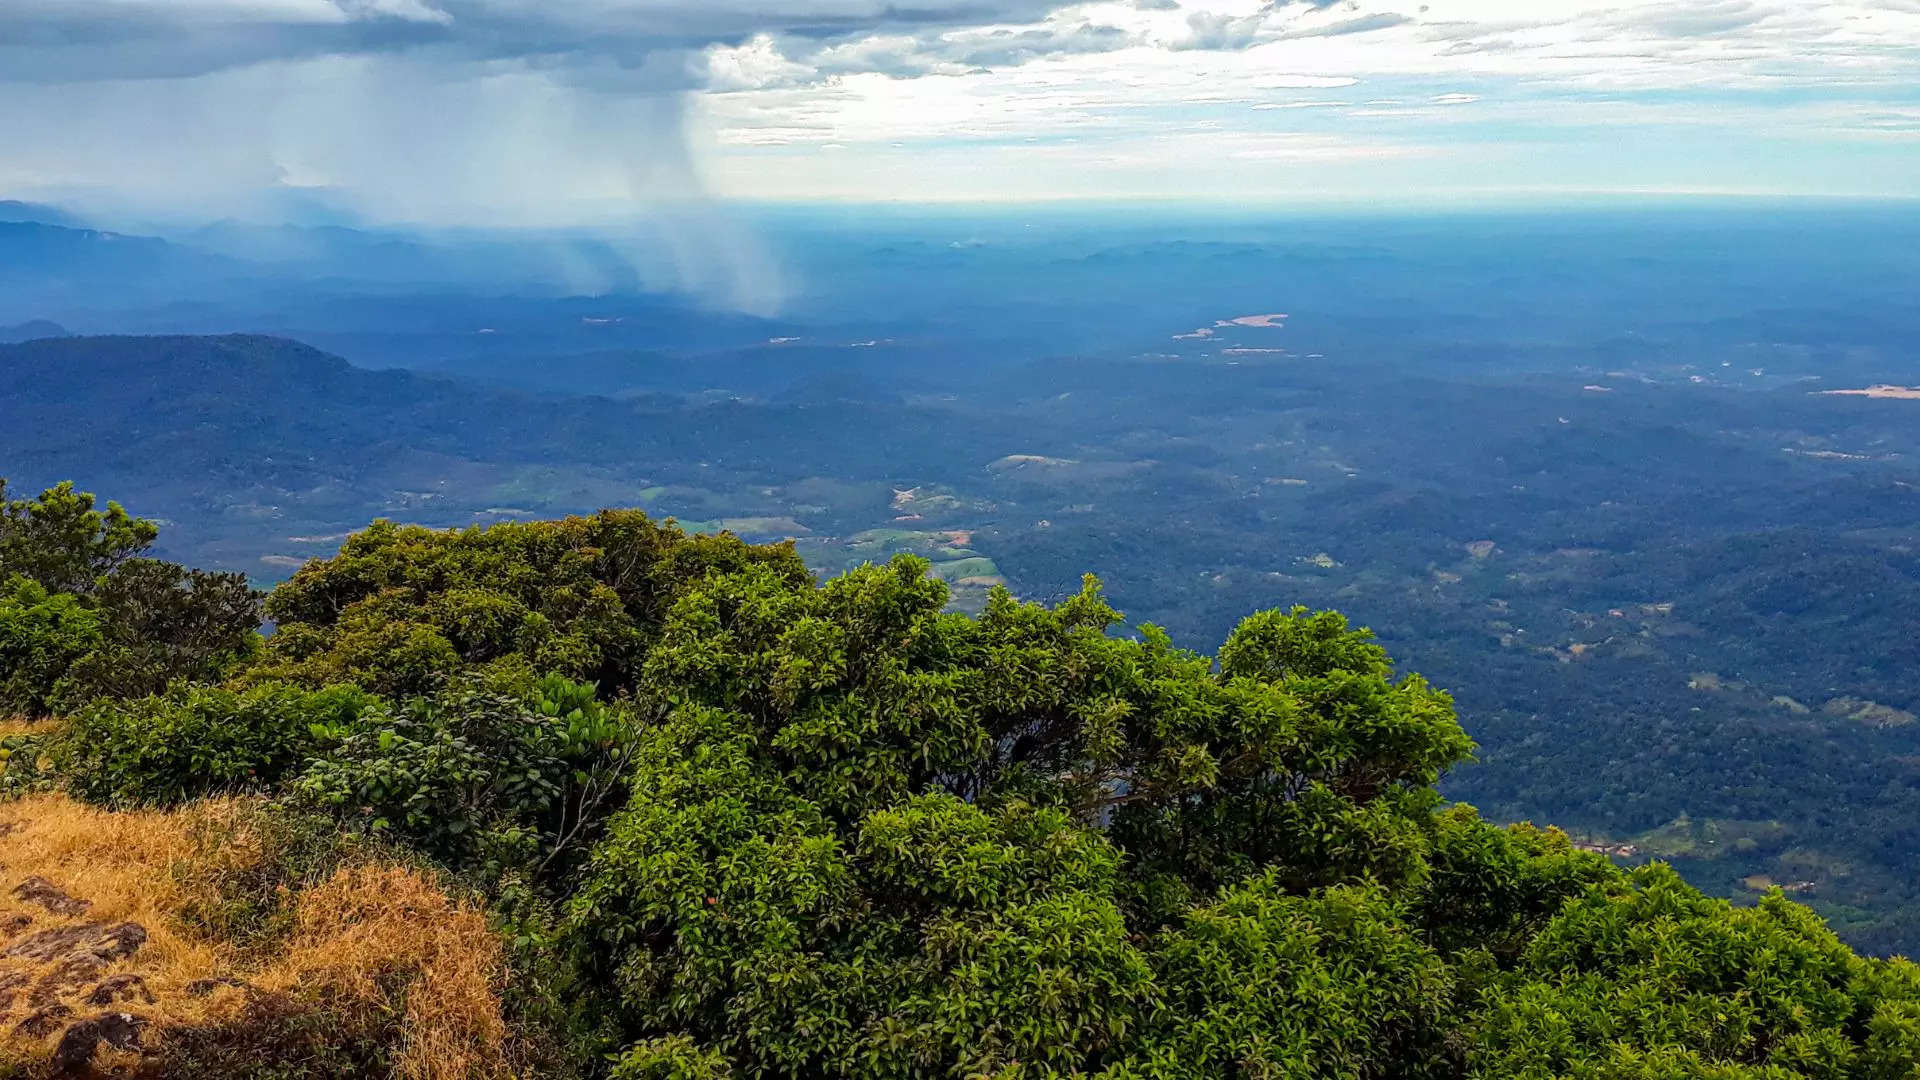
(738, 822)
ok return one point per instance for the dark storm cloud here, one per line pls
(82, 40)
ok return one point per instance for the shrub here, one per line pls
(165, 623)
(42, 635)
(672, 1058)
(197, 740)
(401, 608)
(842, 832)
(1644, 976)
(1262, 982)
(26, 757)
(476, 776)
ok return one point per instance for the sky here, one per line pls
(470, 112)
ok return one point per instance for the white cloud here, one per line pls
(1306, 82)
(455, 109)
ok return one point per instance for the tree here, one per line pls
(401, 608)
(166, 623)
(59, 540)
(88, 616)
(1642, 976)
(869, 838)
(875, 839)
(836, 830)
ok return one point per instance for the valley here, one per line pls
(1668, 574)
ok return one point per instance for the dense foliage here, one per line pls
(1741, 527)
(83, 614)
(838, 830)
(400, 608)
(42, 636)
(475, 775)
(196, 741)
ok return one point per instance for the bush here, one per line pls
(842, 832)
(482, 778)
(1262, 982)
(877, 839)
(59, 540)
(401, 608)
(1644, 977)
(26, 766)
(42, 635)
(195, 741)
(674, 1058)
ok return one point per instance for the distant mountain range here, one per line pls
(214, 429)
(1580, 476)
(14, 210)
(31, 329)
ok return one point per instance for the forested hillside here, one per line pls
(599, 797)
(1673, 608)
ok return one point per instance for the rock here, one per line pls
(119, 988)
(38, 890)
(43, 1022)
(67, 976)
(114, 942)
(203, 987)
(11, 983)
(75, 1052)
(48, 944)
(120, 941)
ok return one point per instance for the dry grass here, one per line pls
(366, 945)
(117, 862)
(367, 925)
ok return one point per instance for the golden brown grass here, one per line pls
(368, 924)
(366, 944)
(118, 862)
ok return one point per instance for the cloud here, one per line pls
(1365, 24)
(74, 40)
(82, 40)
(1714, 18)
(1217, 30)
(458, 111)
(1304, 82)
